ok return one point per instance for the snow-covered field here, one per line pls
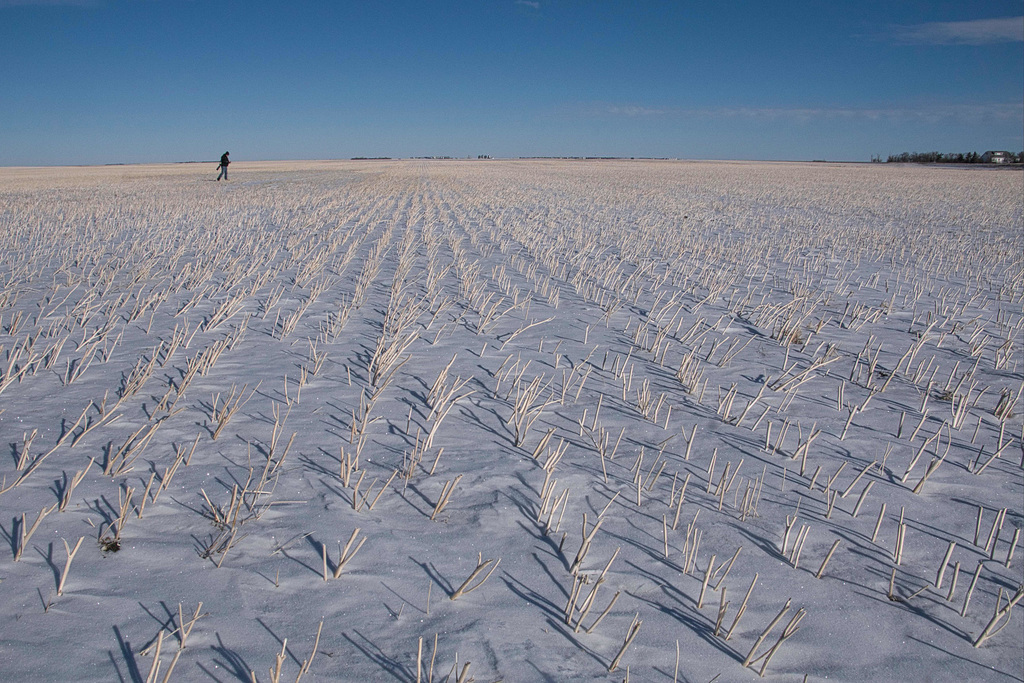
(521, 421)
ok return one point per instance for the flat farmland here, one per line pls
(511, 420)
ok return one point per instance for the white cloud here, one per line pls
(635, 110)
(931, 113)
(48, 3)
(976, 32)
(964, 112)
(528, 3)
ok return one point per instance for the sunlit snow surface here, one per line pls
(349, 320)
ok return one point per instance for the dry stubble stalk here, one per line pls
(482, 565)
(631, 633)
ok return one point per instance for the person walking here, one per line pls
(224, 161)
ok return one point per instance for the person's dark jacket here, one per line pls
(224, 161)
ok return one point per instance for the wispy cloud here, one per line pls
(528, 3)
(975, 32)
(636, 110)
(48, 3)
(964, 112)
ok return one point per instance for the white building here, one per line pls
(996, 157)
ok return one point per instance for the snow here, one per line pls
(627, 307)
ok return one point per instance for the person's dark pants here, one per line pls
(223, 172)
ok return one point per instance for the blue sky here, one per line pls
(122, 81)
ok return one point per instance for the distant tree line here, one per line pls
(940, 158)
